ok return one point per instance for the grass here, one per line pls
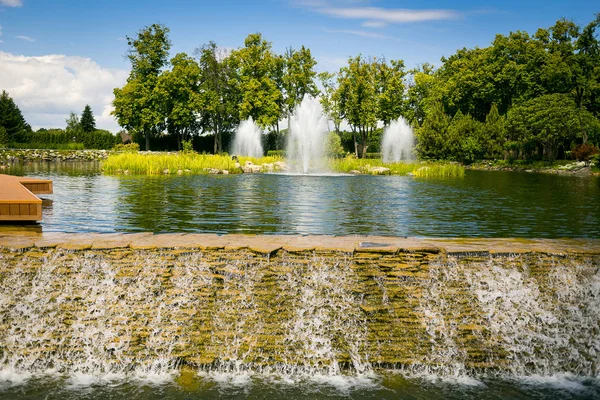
(345, 165)
(172, 163)
(420, 170)
(440, 171)
(193, 163)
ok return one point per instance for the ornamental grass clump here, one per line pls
(173, 163)
(440, 171)
(365, 166)
(168, 163)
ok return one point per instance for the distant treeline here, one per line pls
(80, 133)
(524, 97)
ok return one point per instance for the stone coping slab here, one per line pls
(269, 244)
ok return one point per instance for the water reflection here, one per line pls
(483, 204)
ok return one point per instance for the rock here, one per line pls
(355, 172)
(179, 172)
(213, 171)
(251, 168)
(166, 171)
(279, 166)
(225, 172)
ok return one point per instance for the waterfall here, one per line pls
(150, 312)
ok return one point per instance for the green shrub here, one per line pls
(276, 153)
(129, 147)
(187, 146)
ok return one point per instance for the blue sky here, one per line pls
(56, 56)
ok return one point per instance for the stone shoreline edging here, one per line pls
(270, 244)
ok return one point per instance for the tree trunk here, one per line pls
(584, 133)
(147, 134)
(218, 145)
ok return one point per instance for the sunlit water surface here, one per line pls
(483, 204)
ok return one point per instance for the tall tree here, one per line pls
(74, 129)
(549, 121)
(418, 93)
(137, 105)
(358, 101)
(330, 99)
(299, 77)
(218, 96)
(178, 91)
(87, 121)
(11, 119)
(390, 89)
(259, 95)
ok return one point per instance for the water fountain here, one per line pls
(306, 138)
(247, 141)
(398, 141)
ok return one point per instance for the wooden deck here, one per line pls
(18, 200)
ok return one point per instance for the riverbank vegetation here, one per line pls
(180, 163)
(80, 132)
(527, 97)
(524, 97)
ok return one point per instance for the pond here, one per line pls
(483, 204)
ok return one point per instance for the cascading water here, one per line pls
(306, 138)
(296, 316)
(398, 142)
(247, 140)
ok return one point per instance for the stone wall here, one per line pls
(114, 302)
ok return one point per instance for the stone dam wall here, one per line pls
(119, 302)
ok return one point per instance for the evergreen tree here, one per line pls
(87, 121)
(11, 118)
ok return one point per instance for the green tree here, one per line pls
(259, 95)
(299, 77)
(219, 95)
(11, 119)
(433, 133)
(330, 99)
(74, 129)
(178, 93)
(358, 101)
(390, 89)
(550, 121)
(418, 93)
(493, 134)
(4, 139)
(87, 121)
(138, 107)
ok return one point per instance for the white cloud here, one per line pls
(11, 3)
(374, 24)
(47, 88)
(27, 38)
(366, 34)
(390, 15)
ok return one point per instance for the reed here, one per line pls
(364, 166)
(172, 163)
(436, 170)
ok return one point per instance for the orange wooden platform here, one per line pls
(18, 200)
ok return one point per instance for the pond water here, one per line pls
(483, 204)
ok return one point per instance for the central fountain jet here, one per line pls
(306, 138)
